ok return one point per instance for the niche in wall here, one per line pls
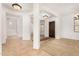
(76, 24)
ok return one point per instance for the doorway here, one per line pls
(11, 26)
(52, 29)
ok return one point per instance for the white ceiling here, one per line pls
(25, 6)
(58, 7)
(62, 8)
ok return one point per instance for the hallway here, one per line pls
(34, 19)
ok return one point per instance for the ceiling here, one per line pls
(26, 7)
(59, 8)
(62, 8)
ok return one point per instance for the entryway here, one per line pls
(52, 29)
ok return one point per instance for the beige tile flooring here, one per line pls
(50, 47)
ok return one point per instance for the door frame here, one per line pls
(57, 28)
(54, 29)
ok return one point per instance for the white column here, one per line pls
(46, 28)
(26, 27)
(0, 30)
(4, 27)
(36, 27)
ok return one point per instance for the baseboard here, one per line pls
(70, 38)
(45, 38)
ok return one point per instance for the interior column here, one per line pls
(26, 27)
(36, 26)
(0, 30)
(46, 28)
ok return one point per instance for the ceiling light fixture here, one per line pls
(16, 6)
(45, 16)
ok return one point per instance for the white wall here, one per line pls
(3, 26)
(0, 30)
(0, 24)
(18, 17)
(15, 28)
(68, 27)
(19, 26)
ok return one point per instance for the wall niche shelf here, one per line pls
(76, 24)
